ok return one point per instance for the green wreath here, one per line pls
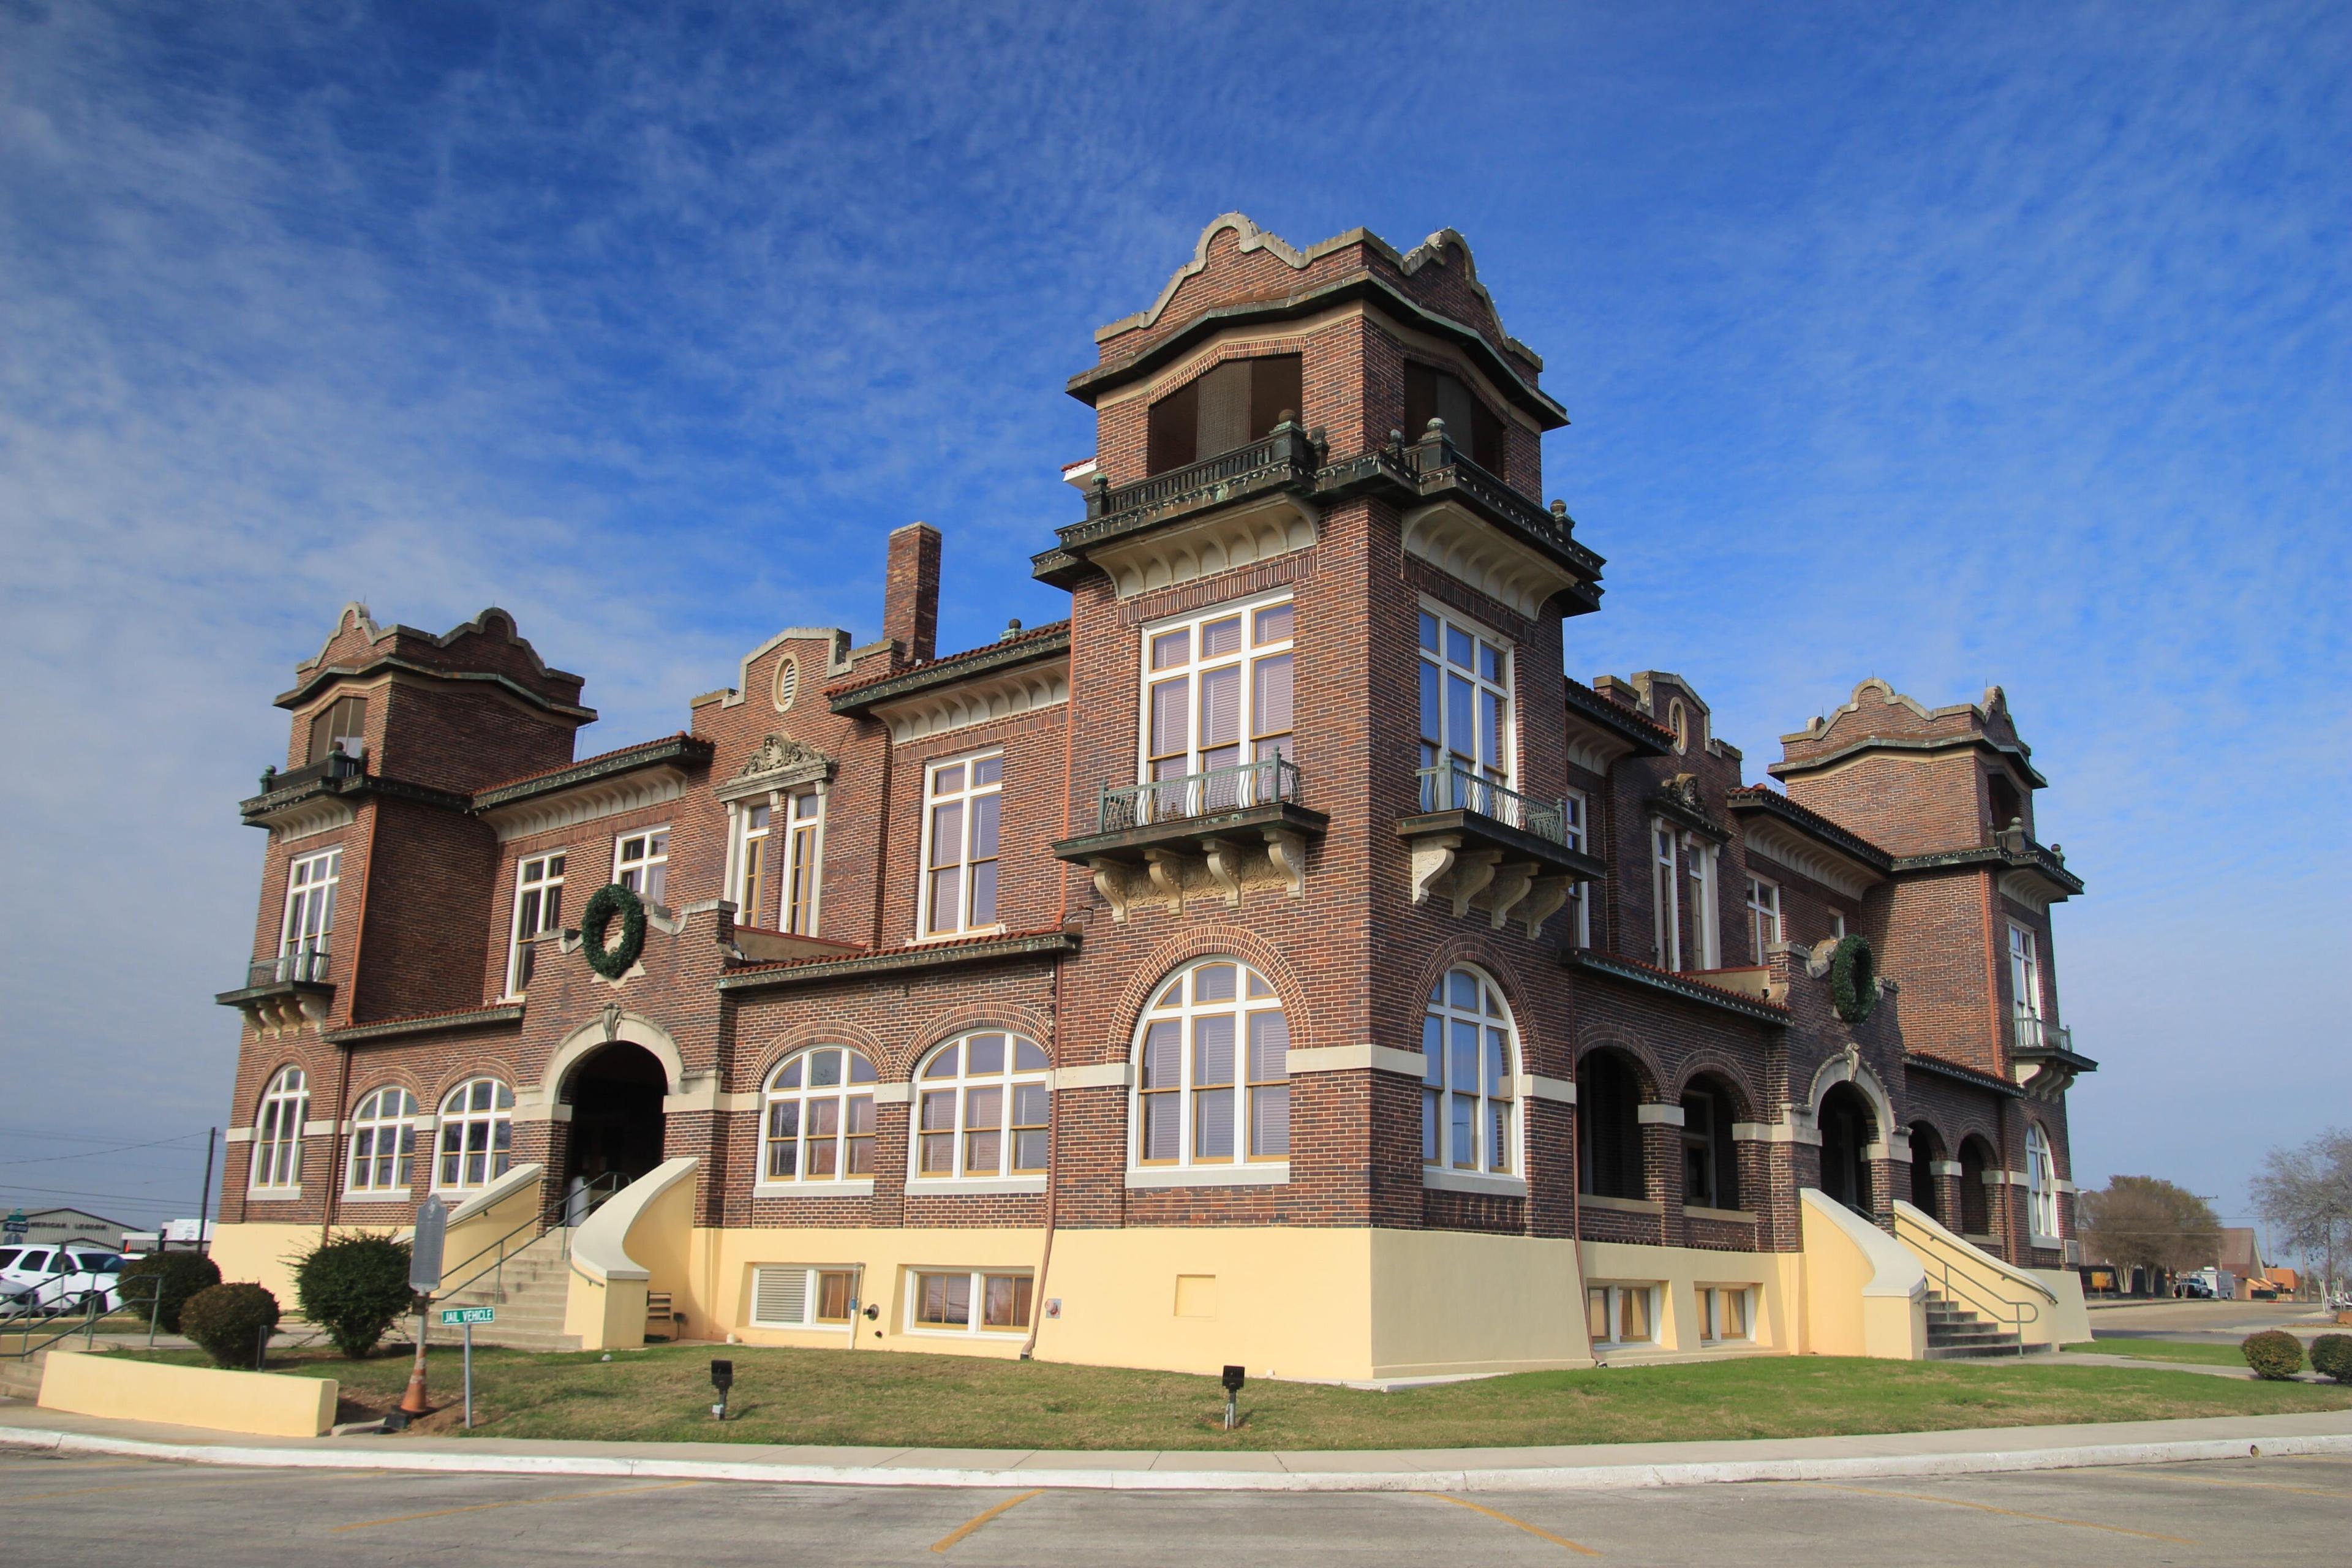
(1853, 979)
(611, 899)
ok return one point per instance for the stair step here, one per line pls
(1970, 1352)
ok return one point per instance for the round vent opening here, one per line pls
(788, 683)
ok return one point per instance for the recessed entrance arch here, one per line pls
(1927, 1154)
(615, 1095)
(1848, 1129)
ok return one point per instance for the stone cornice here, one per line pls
(935, 956)
(392, 1028)
(1044, 642)
(1917, 1062)
(1673, 985)
(688, 750)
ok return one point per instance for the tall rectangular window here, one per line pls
(1217, 694)
(964, 804)
(754, 866)
(1575, 810)
(2024, 971)
(1466, 716)
(1763, 917)
(641, 863)
(1665, 898)
(801, 866)
(1699, 860)
(1432, 394)
(341, 728)
(310, 885)
(538, 912)
(1231, 405)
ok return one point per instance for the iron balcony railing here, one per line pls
(1434, 457)
(1288, 454)
(1269, 781)
(2029, 1034)
(303, 967)
(1456, 786)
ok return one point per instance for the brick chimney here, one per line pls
(911, 595)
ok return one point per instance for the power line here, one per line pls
(106, 1197)
(96, 1153)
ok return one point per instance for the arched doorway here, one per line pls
(1607, 1126)
(1848, 1129)
(1976, 1208)
(615, 1095)
(1927, 1154)
(1710, 1159)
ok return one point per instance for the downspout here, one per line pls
(351, 1007)
(342, 1139)
(1053, 1122)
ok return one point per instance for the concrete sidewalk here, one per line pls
(1598, 1466)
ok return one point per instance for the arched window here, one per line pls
(1469, 1055)
(1608, 1127)
(2040, 1183)
(277, 1131)
(1213, 1086)
(820, 1121)
(384, 1142)
(980, 1108)
(477, 1133)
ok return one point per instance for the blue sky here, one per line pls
(1948, 344)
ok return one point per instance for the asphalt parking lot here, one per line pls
(73, 1511)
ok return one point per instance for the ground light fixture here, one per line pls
(1233, 1380)
(722, 1378)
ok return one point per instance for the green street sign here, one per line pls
(458, 1317)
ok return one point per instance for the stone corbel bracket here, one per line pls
(1484, 880)
(1220, 867)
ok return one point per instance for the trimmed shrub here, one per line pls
(2273, 1353)
(227, 1321)
(2331, 1355)
(354, 1287)
(183, 1273)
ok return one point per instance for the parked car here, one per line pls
(2193, 1289)
(51, 1279)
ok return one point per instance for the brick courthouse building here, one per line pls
(1282, 959)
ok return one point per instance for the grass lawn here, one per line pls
(2169, 1350)
(902, 1400)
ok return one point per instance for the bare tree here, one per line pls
(2307, 1193)
(2147, 1223)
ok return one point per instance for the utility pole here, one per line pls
(203, 1198)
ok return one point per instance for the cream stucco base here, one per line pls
(118, 1386)
(263, 1254)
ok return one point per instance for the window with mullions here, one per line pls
(964, 810)
(753, 867)
(641, 864)
(476, 1134)
(981, 1109)
(383, 1144)
(819, 1125)
(2024, 973)
(1213, 1087)
(1466, 716)
(539, 911)
(1217, 692)
(1665, 898)
(341, 728)
(1469, 1058)
(1698, 862)
(311, 884)
(795, 1297)
(1622, 1314)
(1726, 1313)
(1575, 814)
(277, 1132)
(2041, 1183)
(801, 867)
(1763, 918)
(943, 1302)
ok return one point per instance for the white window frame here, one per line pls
(1024, 1086)
(1576, 817)
(535, 909)
(756, 835)
(277, 1127)
(1763, 917)
(386, 1112)
(1665, 894)
(1712, 1300)
(650, 866)
(2040, 1187)
(2024, 970)
(1617, 1292)
(975, 1301)
(1438, 673)
(1494, 1151)
(312, 883)
(1250, 743)
(777, 1277)
(1706, 925)
(804, 854)
(967, 797)
(458, 1113)
(1837, 925)
(1254, 998)
(851, 1099)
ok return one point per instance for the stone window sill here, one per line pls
(1271, 1175)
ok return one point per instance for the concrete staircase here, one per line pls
(529, 1294)
(1956, 1333)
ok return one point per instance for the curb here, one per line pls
(1574, 1478)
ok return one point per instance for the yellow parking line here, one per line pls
(969, 1525)
(1540, 1533)
(2007, 1512)
(177, 1480)
(511, 1502)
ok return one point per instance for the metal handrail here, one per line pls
(2016, 1314)
(1286, 451)
(2032, 1032)
(548, 1219)
(305, 965)
(1453, 786)
(1268, 781)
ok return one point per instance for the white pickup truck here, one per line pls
(47, 1278)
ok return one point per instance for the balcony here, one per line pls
(282, 994)
(1276, 470)
(1485, 845)
(1205, 834)
(2042, 1056)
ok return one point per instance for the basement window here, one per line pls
(1622, 1314)
(1236, 403)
